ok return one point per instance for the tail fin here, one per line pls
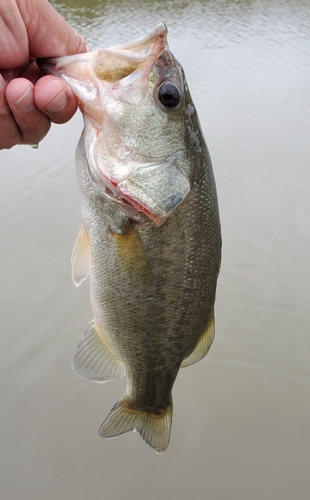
(153, 428)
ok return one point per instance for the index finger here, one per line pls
(49, 34)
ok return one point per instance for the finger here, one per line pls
(10, 74)
(13, 36)
(55, 98)
(49, 34)
(31, 72)
(9, 132)
(31, 122)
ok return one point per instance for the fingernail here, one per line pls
(25, 102)
(57, 104)
(83, 45)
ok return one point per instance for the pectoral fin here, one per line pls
(202, 347)
(81, 256)
(94, 360)
(132, 255)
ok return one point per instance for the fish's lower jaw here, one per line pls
(154, 428)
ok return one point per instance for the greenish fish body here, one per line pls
(150, 235)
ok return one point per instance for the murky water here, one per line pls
(241, 425)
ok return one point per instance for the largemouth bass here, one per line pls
(150, 235)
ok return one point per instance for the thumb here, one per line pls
(49, 34)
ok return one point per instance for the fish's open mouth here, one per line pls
(120, 61)
(110, 65)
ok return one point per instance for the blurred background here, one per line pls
(241, 426)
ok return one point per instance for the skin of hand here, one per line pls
(29, 102)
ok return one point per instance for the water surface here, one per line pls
(241, 416)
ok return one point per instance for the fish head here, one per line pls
(135, 103)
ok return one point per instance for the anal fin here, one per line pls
(202, 347)
(94, 360)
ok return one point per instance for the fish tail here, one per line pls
(154, 428)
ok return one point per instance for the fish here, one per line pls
(150, 237)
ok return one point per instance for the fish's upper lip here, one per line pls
(144, 41)
(141, 50)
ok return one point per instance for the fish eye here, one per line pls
(169, 95)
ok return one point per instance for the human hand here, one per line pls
(29, 101)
